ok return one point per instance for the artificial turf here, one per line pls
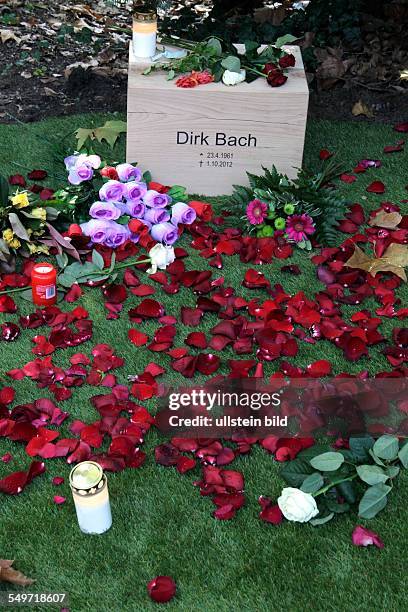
(161, 524)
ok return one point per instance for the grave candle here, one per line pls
(144, 33)
(44, 284)
(91, 498)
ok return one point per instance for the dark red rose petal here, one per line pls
(376, 187)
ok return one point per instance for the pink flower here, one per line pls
(256, 212)
(364, 537)
(298, 227)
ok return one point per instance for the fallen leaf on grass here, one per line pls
(9, 574)
(387, 220)
(359, 108)
(6, 35)
(109, 132)
(394, 260)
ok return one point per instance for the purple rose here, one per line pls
(156, 215)
(96, 229)
(182, 213)
(154, 199)
(104, 210)
(135, 190)
(135, 208)
(112, 191)
(79, 174)
(127, 172)
(117, 234)
(164, 232)
(81, 167)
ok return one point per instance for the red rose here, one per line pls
(203, 209)
(137, 227)
(74, 230)
(276, 78)
(158, 187)
(268, 67)
(110, 173)
(287, 61)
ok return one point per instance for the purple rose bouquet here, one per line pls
(127, 203)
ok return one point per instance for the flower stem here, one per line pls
(333, 484)
(15, 290)
(96, 273)
(255, 71)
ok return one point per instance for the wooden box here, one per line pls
(207, 137)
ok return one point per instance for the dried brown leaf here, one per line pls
(359, 108)
(394, 260)
(9, 574)
(387, 220)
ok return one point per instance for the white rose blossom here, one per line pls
(233, 78)
(160, 256)
(297, 505)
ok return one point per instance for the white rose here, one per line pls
(160, 256)
(233, 78)
(297, 505)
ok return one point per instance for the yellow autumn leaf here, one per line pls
(387, 220)
(394, 260)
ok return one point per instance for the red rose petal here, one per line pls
(137, 337)
(364, 537)
(59, 499)
(376, 187)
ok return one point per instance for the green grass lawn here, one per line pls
(161, 525)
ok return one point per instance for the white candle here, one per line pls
(144, 34)
(91, 498)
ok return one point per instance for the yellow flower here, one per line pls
(39, 213)
(10, 239)
(8, 235)
(37, 248)
(20, 200)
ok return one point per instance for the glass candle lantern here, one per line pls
(91, 498)
(44, 284)
(144, 33)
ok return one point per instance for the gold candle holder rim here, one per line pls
(95, 487)
(147, 15)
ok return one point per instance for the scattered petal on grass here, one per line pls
(364, 537)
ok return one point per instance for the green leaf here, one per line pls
(52, 213)
(346, 489)
(372, 474)
(231, 63)
(251, 45)
(312, 483)
(334, 506)
(373, 501)
(376, 459)
(287, 39)
(97, 260)
(4, 191)
(294, 472)
(386, 447)
(392, 471)
(62, 260)
(327, 462)
(110, 132)
(403, 455)
(321, 521)
(360, 447)
(82, 135)
(147, 176)
(17, 227)
(215, 46)
(170, 75)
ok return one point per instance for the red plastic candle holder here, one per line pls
(44, 284)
